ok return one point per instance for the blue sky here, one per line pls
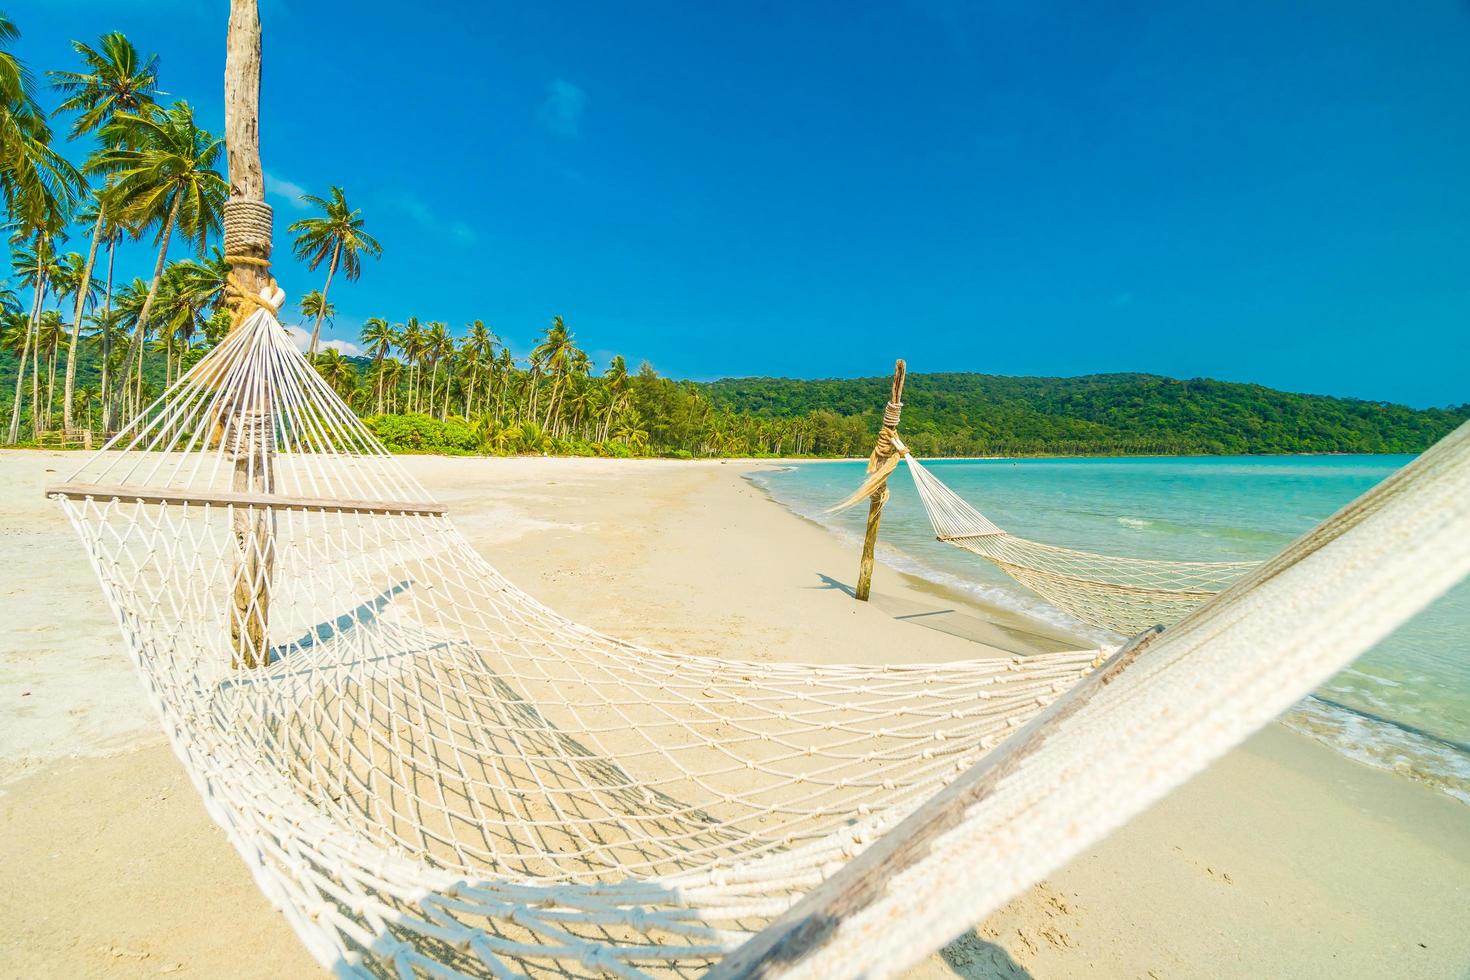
(1267, 191)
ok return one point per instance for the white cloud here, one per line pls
(344, 347)
(561, 110)
(415, 209)
(286, 190)
(301, 338)
(413, 206)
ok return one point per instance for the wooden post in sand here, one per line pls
(881, 453)
(247, 424)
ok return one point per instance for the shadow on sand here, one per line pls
(950, 620)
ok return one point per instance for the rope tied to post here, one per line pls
(247, 227)
(247, 241)
(244, 300)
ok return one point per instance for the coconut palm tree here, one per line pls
(39, 189)
(73, 281)
(504, 367)
(163, 174)
(438, 351)
(37, 184)
(69, 282)
(85, 399)
(35, 262)
(469, 365)
(124, 317)
(106, 333)
(50, 337)
(15, 328)
(336, 370)
(390, 376)
(630, 432)
(114, 79)
(204, 280)
(188, 293)
(411, 339)
(111, 234)
(337, 236)
(615, 382)
(555, 354)
(314, 304)
(480, 342)
(379, 339)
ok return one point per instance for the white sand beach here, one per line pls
(1282, 859)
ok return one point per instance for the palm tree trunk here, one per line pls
(551, 405)
(253, 469)
(20, 368)
(379, 365)
(51, 358)
(36, 425)
(109, 403)
(76, 326)
(140, 330)
(316, 331)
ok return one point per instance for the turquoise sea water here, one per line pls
(1404, 706)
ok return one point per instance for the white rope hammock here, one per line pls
(432, 774)
(1123, 594)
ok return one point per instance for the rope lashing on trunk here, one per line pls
(247, 241)
(247, 227)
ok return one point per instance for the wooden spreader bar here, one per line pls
(81, 491)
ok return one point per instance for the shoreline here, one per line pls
(1007, 618)
(1375, 741)
(68, 450)
(1283, 858)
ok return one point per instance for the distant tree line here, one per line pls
(1109, 414)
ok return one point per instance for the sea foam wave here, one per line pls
(1385, 744)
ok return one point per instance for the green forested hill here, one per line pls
(980, 414)
(944, 415)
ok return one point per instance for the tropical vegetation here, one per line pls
(83, 348)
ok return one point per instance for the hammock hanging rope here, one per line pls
(432, 774)
(1123, 594)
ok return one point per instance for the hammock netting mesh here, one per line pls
(1122, 594)
(432, 774)
(427, 765)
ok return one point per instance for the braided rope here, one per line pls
(247, 226)
(247, 231)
